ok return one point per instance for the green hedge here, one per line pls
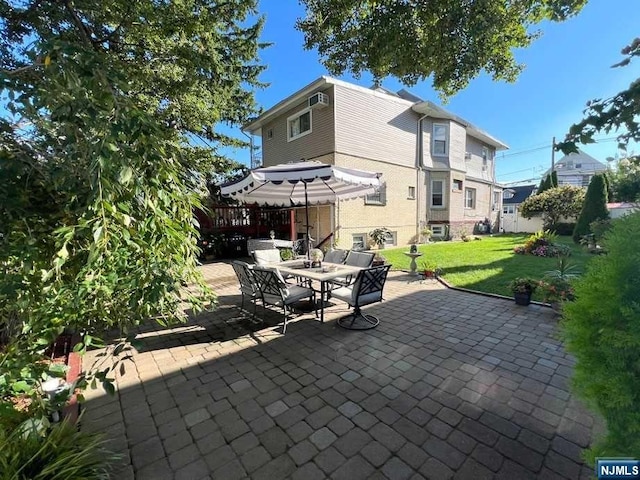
(602, 330)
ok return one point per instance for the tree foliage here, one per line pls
(594, 207)
(620, 112)
(625, 181)
(549, 181)
(99, 163)
(554, 204)
(413, 39)
(602, 330)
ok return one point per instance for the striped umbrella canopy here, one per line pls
(301, 184)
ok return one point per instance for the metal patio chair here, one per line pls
(367, 289)
(248, 285)
(275, 291)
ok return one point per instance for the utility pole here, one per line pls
(553, 155)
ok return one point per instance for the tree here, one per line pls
(110, 121)
(600, 329)
(554, 204)
(620, 112)
(594, 207)
(412, 39)
(554, 179)
(545, 184)
(625, 181)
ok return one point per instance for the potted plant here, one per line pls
(430, 269)
(426, 234)
(555, 291)
(379, 236)
(522, 289)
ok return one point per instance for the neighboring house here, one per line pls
(618, 210)
(438, 169)
(512, 221)
(577, 169)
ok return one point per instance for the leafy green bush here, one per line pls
(594, 207)
(34, 451)
(602, 330)
(563, 228)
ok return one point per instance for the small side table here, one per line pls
(413, 265)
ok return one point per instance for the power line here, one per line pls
(548, 145)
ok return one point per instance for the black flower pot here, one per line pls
(522, 298)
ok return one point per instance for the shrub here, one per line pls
(556, 290)
(594, 207)
(601, 329)
(599, 228)
(523, 285)
(35, 451)
(562, 228)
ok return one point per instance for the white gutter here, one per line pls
(418, 170)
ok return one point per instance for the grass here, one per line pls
(487, 265)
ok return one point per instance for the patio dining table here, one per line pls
(323, 275)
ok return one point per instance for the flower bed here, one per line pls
(542, 244)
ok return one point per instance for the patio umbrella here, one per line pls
(301, 183)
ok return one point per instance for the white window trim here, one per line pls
(444, 196)
(475, 198)
(382, 192)
(296, 115)
(364, 240)
(393, 236)
(446, 140)
(411, 196)
(433, 230)
(453, 185)
(510, 209)
(269, 133)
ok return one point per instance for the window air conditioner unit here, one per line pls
(467, 156)
(318, 100)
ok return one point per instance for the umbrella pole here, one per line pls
(306, 213)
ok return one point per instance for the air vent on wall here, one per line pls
(318, 100)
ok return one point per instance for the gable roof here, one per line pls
(567, 165)
(403, 96)
(520, 194)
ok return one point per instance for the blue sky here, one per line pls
(566, 67)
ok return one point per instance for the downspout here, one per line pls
(420, 168)
(493, 194)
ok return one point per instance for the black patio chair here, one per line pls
(248, 285)
(354, 259)
(336, 256)
(366, 289)
(275, 291)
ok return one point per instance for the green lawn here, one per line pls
(487, 265)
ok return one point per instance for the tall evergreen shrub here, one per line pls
(554, 179)
(594, 207)
(544, 185)
(601, 328)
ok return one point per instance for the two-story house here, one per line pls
(438, 168)
(577, 169)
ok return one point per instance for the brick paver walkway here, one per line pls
(450, 384)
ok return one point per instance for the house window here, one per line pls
(508, 209)
(485, 156)
(437, 193)
(390, 239)
(378, 198)
(440, 139)
(358, 241)
(411, 193)
(437, 230)
(299, 125)
(496, 201)
(457, 185)
(470, 198)
(578, 165)
(270, 134)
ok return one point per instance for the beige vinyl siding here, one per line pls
(319, 142)
(474, 164)
(375, 125)
(457, 147)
